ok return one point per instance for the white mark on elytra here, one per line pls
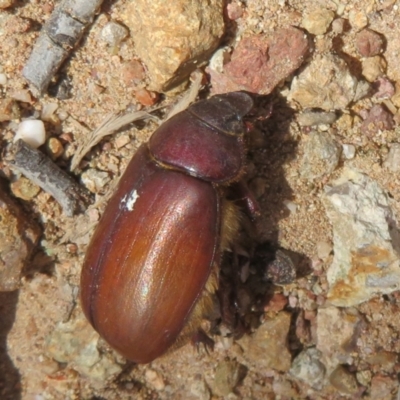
(129, 200)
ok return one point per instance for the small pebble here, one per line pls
(392, 162)
(311, 118)
(155, 379)
(22, 95)
(32, 132)
(338, 25)
(369, 43)
(324, 249)
(227, 375)
(114, 33)
(378, 119)
(234, 11)
(3, 79)
(5, 4)
(373, 68)
(358, 20)
(9, 110)
(343, 380)
(55, 148)
(321, 156)
(200, 390)
(145, 97)
(292, 207)
(384, 88)
(95, 180)
(349, 151)
(318, 21)
(24, 189)
(122, 141)
(132, 72)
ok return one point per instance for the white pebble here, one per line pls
(349, 151)
(32, 132)
(292, 207)
(114, 33)
(3, 79)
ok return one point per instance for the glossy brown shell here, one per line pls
(150, 258)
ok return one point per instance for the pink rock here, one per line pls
(378, 119)
(369, 43)
(260, 63)
(384, 88)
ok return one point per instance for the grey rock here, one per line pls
(75, 343)
(307, 367)
(366, 240)
(321, 156)
(114, 33)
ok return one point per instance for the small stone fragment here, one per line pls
(337, 334)
(75, 342)
(349, 151)
(321, 156)
(95, 180)
(384, 88)
(378, 119)
(325, 83)
(234, 10)
(392, 162)
(267, 347)
(313, 118)
(338, 25)
(369, 43)
(32, 132)
(365, 238)
(172, 42)
(307, 367)
(259, 63)
(318, 21)
(146, 97)
(373, 68)
(132, 72)
(343, 380)
(24, 189)
(6, 3)
(55, 148)
(155, 379)
(227, 376)
(9, 110)
(200, 390)
(384, 387)
(358, 19)
(277, 303)
(114, 33)
(282, 270)
(324, 249)
(19, 235)
(3, 79)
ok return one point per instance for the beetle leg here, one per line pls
(246, 199)
(200, 337)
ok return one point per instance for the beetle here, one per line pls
(151, 265)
